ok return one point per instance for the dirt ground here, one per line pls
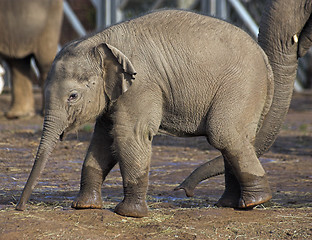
(172, 215)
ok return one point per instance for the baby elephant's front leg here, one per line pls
(134, 202)
(134, 155)
(98, 162)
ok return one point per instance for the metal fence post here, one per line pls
(245, 16)
(221, 9)
(74, 21)
(106, 13)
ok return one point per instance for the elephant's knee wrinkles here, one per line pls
(228, 143)
(140, 132)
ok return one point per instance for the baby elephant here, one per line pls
(170, 71)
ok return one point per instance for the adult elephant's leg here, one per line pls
(97, 164)
(22, 104)
(44, 61)
(44, 69)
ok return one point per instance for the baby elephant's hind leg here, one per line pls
(232, 133)
(248, 171)
(231, 195)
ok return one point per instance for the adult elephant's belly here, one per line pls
(19, 38)
(10, 51)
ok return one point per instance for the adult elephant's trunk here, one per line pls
(283, 25)
(52, 129)
(209, 169)
(279, 40)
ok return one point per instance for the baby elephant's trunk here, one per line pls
(50, 135)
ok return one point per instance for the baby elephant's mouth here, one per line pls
(66, 131)
(62, 136)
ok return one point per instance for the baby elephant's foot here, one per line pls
(232, 192)
(132, 208)
(254, 192)
(229, 199)
(88, 200)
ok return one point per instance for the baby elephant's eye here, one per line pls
(72, 97)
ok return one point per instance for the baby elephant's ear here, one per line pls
(123, 60)
(119, 71)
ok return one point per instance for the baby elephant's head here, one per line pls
(83, 81)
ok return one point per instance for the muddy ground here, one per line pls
(172, 215)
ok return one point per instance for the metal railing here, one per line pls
(73, 19)
(245, 16)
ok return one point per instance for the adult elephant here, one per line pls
(28, 29)
(163, 72)
(285, 34)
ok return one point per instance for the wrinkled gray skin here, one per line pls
(28, 28)
(281, 21)
(170, 71)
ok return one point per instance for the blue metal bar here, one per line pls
(107, 7)
(222, 9)
(244, 15)
(72, 18)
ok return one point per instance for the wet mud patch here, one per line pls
(172, 215)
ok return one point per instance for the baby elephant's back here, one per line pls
(202, 59)
(196, 43)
